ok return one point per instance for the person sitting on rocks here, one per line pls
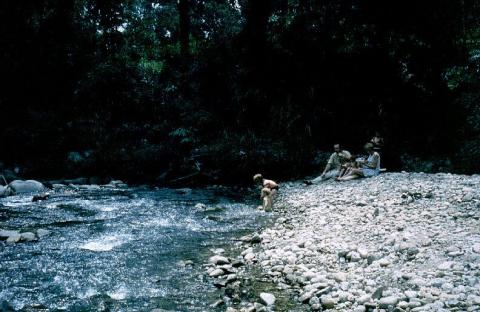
(377, 141)
(269, 189)
(334, 165)
(368, 168)
(347, 167)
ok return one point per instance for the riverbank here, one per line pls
(409, 241)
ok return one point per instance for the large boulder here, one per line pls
(28, 186)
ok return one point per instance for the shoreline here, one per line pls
(403, 241)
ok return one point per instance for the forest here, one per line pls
(184, 91)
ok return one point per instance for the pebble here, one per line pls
(388, 302)
(363, 299)
(328, 302)
(384, 262)
(340, 277)
(267, 299)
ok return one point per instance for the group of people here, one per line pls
(341, 165)
(344, 166)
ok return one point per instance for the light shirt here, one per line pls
(336, 160)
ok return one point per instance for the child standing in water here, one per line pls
(269, 189)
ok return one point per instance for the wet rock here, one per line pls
(15, 238)
(219, 283)
(216, 273)
(27, 237)
(28, 186)
(5, 234)
(200, 206)
(256, 239)
(185, 263)
(218, 260)
(267, 299)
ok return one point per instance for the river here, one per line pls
(120, 249)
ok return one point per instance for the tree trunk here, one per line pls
(184, 27)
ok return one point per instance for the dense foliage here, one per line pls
(156, 90)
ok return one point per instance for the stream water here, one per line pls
(119, 250)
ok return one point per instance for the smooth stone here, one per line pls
(249, 256)
(200, 206)
(363, 299)
(217, 272)
(386, 302)
(14, 238)
(383, 262)
(218, 260)
(219, 283)
(411, 294)
(5, 234)
(28, 236)
(328, 302)
(363, 253)
(267, 298)
(354, 256)
(476, 248)
(340, 277)
(28, 186)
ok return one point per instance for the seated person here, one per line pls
(348, 166)
(377, 141)
(368, 168)
(269, 189)
(334, 165)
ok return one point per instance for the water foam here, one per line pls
(105, 244)
(118, 294)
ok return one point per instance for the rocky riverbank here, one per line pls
(399, 241)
